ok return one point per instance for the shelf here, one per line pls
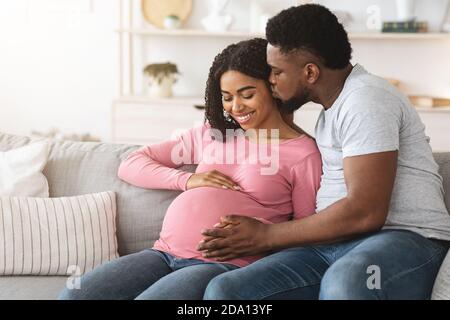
(399, 36)
(246, 34)
(174, 100)
(199, 101)
(190, 32)
(434, 110)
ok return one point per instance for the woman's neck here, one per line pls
(274, 128)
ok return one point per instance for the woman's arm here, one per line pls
(305, 179)
(155, 166)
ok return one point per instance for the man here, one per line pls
(381, 230)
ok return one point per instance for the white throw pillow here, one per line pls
(57, 236)
(21, 171)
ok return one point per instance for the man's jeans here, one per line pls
(148, 274)
(390, 264)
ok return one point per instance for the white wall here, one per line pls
(58, 65)
(59, 58)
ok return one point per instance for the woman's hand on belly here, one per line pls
(212, 178)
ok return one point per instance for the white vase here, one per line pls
(445, 21)
(171, 23)
(217, 20)
(163, 88)
(406, 9)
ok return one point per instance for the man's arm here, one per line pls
(369, 180)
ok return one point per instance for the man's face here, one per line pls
(287, 77)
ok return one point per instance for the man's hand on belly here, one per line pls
(236, 236)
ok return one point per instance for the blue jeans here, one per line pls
(148, 274)
(390, 264)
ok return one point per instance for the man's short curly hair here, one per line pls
(313, 28)
(247, 57)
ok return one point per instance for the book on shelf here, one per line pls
(429, 102)
(405, 26)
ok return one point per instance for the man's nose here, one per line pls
(272, 78)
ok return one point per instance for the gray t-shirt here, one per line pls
(371, 116)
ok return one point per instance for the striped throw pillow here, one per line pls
(57, 236)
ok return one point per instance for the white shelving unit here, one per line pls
(245, 34)
(142, 120)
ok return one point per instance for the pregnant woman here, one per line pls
(250, 161)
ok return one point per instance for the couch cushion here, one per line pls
(55, 236)
(76, 168)
(31, 287)
(443, 160)
(441, 290)
(22, 169)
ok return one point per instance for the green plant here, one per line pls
(173, 16)
(159, 71)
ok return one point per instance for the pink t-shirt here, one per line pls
(278, 182)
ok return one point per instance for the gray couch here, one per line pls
(76, 168)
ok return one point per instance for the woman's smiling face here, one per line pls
(247, 100)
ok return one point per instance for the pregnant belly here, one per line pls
(201, 208)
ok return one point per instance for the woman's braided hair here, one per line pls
(247, 57)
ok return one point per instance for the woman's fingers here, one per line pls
(229, 184)
(227, 181)
(225, 177)
(219, 183)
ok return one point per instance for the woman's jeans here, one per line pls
(149, 274)
(390, 264)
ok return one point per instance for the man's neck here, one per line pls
(332, 84)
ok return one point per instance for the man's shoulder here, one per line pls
(369, 88)
(372, 96)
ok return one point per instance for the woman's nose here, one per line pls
(237, 107)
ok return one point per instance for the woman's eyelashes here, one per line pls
(230, 98)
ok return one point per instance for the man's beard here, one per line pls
(295, 102)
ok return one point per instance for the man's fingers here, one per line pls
(216, 253)
(227, 257)
(207, 239)
(213, 244)
(230, 219)
(216, 232)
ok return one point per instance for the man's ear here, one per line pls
(312, 73)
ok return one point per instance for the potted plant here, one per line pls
(161, 78)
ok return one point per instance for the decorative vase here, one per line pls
(217, 20)
(405, 9)
(445, 21)
(172, 22)
(161, 88)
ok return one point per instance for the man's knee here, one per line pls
(72, 294)
(223, 287)
(354, 279)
